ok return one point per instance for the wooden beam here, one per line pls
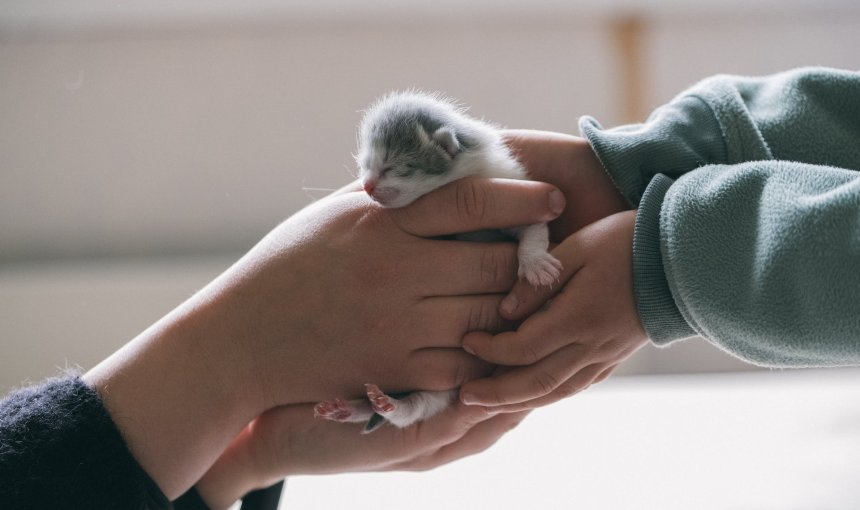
(628, 34)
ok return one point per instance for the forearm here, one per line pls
(808, 115)
(761, 258)
(676, 138)
(179, 392)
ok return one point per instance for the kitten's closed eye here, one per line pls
(406, 170)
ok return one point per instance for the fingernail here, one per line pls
(469, 399)
(556, 202)
(509, 305)
(468, 349)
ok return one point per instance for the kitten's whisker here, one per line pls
(308, 188)
(315, 193)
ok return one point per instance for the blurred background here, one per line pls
(144, 146)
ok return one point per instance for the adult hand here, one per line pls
(342, 293)
(590, 326)
(288, 441)
(346, 292)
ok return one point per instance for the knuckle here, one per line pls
(604, 375)
(433, 378)
(472, 200)
(610, 350)
(588, 351)
(447, 377)
(442, 380)
(545, 382)
(490, 266)
(483, 317)
(568, 389)
(461, 376)
(529, 353)
(495, 396)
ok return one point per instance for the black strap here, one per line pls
(191, 500)
(263, 499)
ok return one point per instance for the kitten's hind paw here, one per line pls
(540, 269)
(343, 411)
(379, 401)
(335, 410)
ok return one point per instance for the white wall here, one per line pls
(141, 151)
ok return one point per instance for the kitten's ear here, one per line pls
(445, 137)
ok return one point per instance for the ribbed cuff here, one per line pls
(677, 138)
(616, 154)
(657, 309)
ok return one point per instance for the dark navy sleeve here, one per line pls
(59, 448)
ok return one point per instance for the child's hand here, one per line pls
(590, 326)
(569, 163)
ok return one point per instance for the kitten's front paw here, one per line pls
(540, 269)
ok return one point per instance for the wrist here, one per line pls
(586, 165)
(175, 394)
(569, 163)
(591, 193)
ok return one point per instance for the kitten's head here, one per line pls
(408, 143)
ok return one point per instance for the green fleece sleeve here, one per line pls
(761, 258)
(756, 246)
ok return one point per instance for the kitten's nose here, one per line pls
(369, 185)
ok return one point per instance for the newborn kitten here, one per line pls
(411, 143)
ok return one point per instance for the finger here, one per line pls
(454, 423)
(290, 441)
(476, 440)
(428, 436)
(605, 374)
(579, 382)
(458, 315)
(527, 383)
(473, 203)
(513, 348)
(439, 369)
(525, 299)
(463, 268)
(538, 337)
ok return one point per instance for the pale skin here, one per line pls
(287, 441)
(592, 324)
(304, 315)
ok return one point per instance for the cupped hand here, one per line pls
(345, 292)
(590, 325)
(340, 294)
(287, 441)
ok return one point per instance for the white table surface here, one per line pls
(771, 440)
